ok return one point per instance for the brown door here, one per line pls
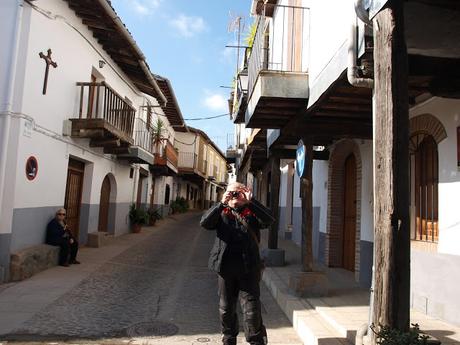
(349, 223)
(152, 196)
(73, 194)
(140, 184)
(104, 204)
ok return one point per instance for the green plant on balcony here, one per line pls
(158, 132)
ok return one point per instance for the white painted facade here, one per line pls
(39, 127)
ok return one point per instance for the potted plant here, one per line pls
(137, 217)
(154, 215)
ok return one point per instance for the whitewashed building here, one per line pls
(78, 110)
(296, 84)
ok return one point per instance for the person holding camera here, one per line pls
(235, 256)
(58, 234)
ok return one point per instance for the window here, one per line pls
(424, 183)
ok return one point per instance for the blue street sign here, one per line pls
(300, 158)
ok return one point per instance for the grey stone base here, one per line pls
(309, 284)
(273, 257)
(98, 239)
(29, 261)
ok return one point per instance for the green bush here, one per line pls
(154, 214)
(180, 205)
(391, 336)
(138, 215)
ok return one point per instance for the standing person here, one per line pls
(235, 256)
(58, 234)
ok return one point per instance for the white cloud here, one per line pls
(144, 7)
(188, 26)
(215, 102)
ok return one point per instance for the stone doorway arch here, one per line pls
(345, 155)
(107, 204)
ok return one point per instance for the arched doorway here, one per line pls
(342, 243)
(349, 211)
(104, 205)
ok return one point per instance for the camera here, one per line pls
(235, 194)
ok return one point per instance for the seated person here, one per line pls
(58, 234)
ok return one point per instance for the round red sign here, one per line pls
(31, 168)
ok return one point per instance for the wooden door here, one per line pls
(349, 223)
(73, 193)
(152, 196)
(104, 205)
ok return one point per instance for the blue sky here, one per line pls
(184, 41)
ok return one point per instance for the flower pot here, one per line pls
(136, 228)
(152, 221)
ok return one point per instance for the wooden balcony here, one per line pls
(166, 159)
(105, 117)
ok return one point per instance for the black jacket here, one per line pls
(232, 238)
(55, 233)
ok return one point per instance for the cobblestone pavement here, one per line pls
(157, 292)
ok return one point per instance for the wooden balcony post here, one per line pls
(391, 287)
(306, 192)
(275, 177)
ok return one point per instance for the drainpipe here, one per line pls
(352, 74)
(352, 71)
(108, 8)
(7, 103)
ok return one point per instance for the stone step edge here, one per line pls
(310, 326)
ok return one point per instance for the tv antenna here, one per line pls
(236, 25)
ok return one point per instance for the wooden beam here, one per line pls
(111, 142)
(391, 288)
(306, 192)
(275, 177)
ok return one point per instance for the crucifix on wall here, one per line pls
(48, 62)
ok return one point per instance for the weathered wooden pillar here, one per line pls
(306, 185)
(391, 174)
(275, 176)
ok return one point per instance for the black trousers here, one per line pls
(68, 251)
(245, 287)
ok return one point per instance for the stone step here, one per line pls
(98, 239)
(309, 324)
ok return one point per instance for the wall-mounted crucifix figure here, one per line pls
(48, 62)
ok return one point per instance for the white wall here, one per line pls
(320, 180)
(367, 206)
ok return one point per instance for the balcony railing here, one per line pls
(143, 135)
(187, 160)
(286, 49)
(100, 101)
(165, 152)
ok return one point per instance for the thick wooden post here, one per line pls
(391, 174)
(275, 177)
(306, 185)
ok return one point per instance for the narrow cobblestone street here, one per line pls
(159, 291)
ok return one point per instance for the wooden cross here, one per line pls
(48, 62)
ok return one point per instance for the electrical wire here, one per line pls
(207, 118)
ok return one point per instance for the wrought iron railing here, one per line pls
(143, 135)
(100, 101)
(286, 49)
